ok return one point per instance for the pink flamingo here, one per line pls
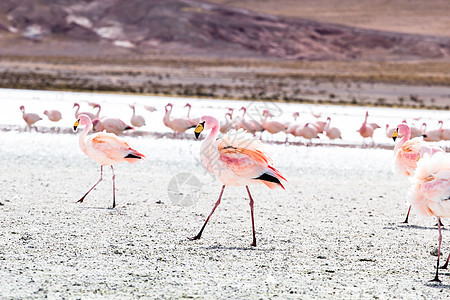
(105, 149)
(366, 130)
(136, 120)
(194, 121)
(431, 135)
(272, 127)
(308, 132)
(430, 194)
(333, 132)
(177, 125)
(407, 153)
(149, 108)
(236, 159)
(90, 115)
(227, 125)
(111, 125)
(29, 118)
(251, 126)
(415, 132)
(53, 115)
(445, 133)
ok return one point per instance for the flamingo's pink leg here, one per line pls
(101, 175)
(199, 235)
(436, 278)
(114, 187)
(253, 219)
(445, 266)
(407, 215)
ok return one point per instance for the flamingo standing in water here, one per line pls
(430, 194)
(366, 130)
(236, 159)
(106, 149)
(177, 125)
(308, 131)
(333, 132)
(29, 118)
(194, 121)
(407, 153)
(272, 126)
(251, 126)
(136, 120)
(53, 115)
(227, 125)
(111, 125)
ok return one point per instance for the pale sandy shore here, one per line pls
(335, 232)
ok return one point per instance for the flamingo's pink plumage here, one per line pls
(29, 118)
(104, 148)
(53, 115)
(236, 159)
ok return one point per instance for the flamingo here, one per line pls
(149, 108)
(389, 131)
(272, 126)
(111, 125)
(415, 132)
(53, 115)
(445, 133)
(236, 159)
(407, 153)
(136, 120)
(78, 113)
(333, 132)
(227, 125)
(177, 125)
(430, 194)
(308, 131)
(366, 130)
(250, 126)
(106, 149)
(432, 135)
(29, 118)
(194, 121)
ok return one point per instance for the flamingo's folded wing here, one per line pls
(110, 145)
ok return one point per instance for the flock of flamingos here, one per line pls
(237, 158)
(232, 120)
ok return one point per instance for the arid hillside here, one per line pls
(196, 28)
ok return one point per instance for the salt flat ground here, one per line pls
(335, 232)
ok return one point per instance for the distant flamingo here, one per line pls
(333, 132)
(53, 115)
(445, 133)
(251, 126)
(227, 125)
(389, 131)
(111, 125)
(177, 125)
(366, 130)
(78, 113)
(430, 195)
(307, 131)
(106, 149)
(136, 120)
(194, 121)
(407, 153)
(236, 159)
(149, 108)
(29, 118)
(272, 127)
(431, 135)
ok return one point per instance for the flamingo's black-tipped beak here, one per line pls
(199, 129)
(395, 135)
(76, 125)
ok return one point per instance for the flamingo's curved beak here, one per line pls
(395, 134)
(76, 125)
(199, 129)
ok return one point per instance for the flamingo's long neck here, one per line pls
(83, 136)
(98, 111)
(403, 140)
(207, 151)
(166, 119)
(189, 112)
(328, 125)
(76, 112)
